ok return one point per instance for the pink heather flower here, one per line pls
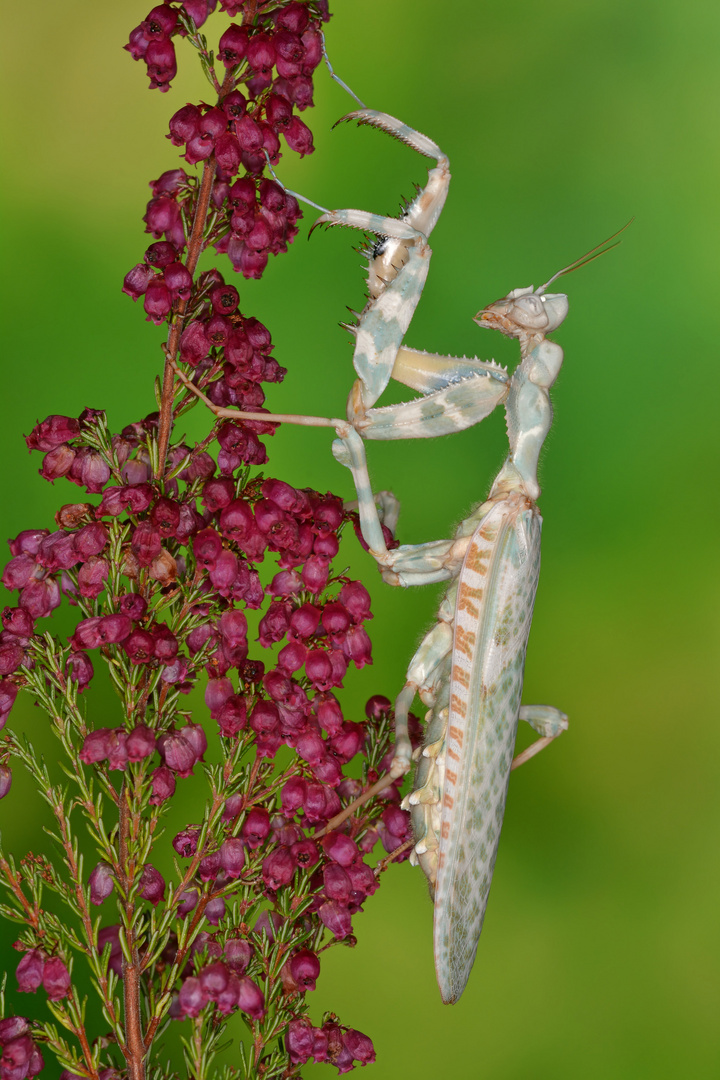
(177, 753)
(192, 998)
(278, 868)
(56, 978)
(30, 971)
(152, 885)
(5, 779)
(256, 827)
(305, 968)
(336, 917)
(101, 883)
(250, 998)
(215, 910)
(232, 856)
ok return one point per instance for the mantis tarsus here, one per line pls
(468, 669)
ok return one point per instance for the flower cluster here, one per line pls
(168, 549)
(19, 1057)
(272, 58)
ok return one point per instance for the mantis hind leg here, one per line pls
(548, 722)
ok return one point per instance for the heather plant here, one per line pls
(175, 543)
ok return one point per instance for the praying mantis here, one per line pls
(468, 669)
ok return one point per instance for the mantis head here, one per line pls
(525, 312)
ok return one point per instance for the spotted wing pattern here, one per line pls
(496, 593)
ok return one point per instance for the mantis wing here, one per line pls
(496, 593)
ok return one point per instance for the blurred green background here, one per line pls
(601, 948)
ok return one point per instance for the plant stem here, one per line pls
(134, 1049)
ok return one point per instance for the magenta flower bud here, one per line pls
(56, 979)
(13, 1027)
(292, 657)
(133, 605)
(152, 885)
(140, 743)
(58, 462)
(165, 644)
(17, 621)
(165, 516)
(218, 493)
(340, 848)
(224, 300)
(278, 868)
(8, 694)
(80, 669)
(111, 629)
(238, 954)
(355, 597)
(101, 883)
(215, 910)
(335, 618)
(260, 53)
(311, 747)
(293, 795)
(227, 153)
(96, 746)
(158, 301)
(187, 902)
(356, 646)
(192, 998)
(28, 541)
(177, 753)
(163, 785)
(162, 253)
(306, 853)
(256, 827)
(209, 867)
(233, 626)
(195, 735)
(293, 17)
(51, 432)
(337, 883)
(233, 45)
(318, 669)
(250, 998)
(299, 1041)
(175, 672)
(217, 692)
(299, 137)
(348, 742)
(137, 280)
(305, 620)
(146, 542)
(90, 540)
(265, 718)
(139, 646)
(336, 917)
(194, 344)
(232, 717)
(362, 878)
(315, 573)
(185, 842)
(30, 971)
(117, 751)
(110, 935)
(305, 968)
(161, 64)
(199, 636)
(11, 657)
(213, 979)
(184, 125)
(178, 280)
(207, 546)
(160, 22)
(40, 598)
(232, 856)
(16, 1057)
(360, 1046)
(329, 714)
